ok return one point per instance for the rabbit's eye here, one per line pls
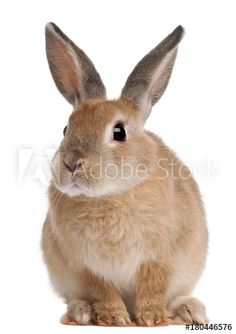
(119, 132)
(64, 131)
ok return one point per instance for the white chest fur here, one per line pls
(111, 247)
(116, 261)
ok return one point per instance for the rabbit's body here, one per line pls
(122, 242)
(159, 220)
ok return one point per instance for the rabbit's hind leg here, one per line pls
(187, 309)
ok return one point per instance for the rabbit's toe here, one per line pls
(151, 315)
(107, 314)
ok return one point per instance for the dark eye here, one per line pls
(119, 132)
(64, 131)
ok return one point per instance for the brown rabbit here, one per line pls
(125, 237)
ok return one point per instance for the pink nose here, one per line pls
(73, 168)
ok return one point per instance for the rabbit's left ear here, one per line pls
(150, 77)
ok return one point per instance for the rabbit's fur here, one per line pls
(128, 241)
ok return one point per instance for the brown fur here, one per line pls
(151, 288)
(123, 248)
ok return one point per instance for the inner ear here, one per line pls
(149, 79)
(64, 67)
(161, 76)
(73, 72)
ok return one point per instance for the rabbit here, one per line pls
(125, 238)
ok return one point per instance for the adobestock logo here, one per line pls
(36, 165)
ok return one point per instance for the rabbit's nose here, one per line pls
(74, 167)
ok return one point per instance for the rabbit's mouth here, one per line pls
(72, 187)
(76, 181)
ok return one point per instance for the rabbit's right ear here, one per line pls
(150, 77)
(73, 72)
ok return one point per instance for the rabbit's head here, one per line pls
(105, 149)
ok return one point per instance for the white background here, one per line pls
(196, 117)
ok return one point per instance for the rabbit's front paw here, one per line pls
(109, 314)
(150, 315)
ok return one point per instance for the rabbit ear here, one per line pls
(150, 77)
(73, 72)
